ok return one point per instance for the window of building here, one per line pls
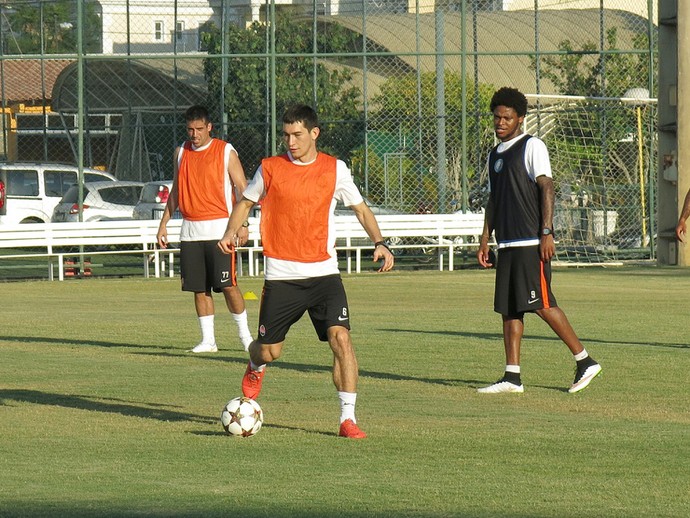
(158, 29)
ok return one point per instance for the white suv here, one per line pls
(32, 190)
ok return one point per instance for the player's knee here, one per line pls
(340, 341)
(551, 314)
(231, 292)
(267, 352)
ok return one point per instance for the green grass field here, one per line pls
(103, 413)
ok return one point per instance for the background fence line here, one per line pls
(402, 89)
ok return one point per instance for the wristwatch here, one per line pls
(384, 244)
(546, 231)
(245, 224)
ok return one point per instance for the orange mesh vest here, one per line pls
(201, 182)
(296, 208)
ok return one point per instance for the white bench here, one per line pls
(50, 240)
(443, 233)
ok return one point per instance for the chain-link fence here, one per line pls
(402, 89)
(605, 182)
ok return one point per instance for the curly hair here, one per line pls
(510, 97)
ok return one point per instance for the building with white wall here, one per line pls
(638, 7)
(155, 26)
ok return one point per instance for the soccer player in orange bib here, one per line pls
(208, 177)
(298, 192)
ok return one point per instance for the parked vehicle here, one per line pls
(154, 197)
(30, 191)
(102, 201)
(3, 192)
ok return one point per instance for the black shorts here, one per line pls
(284, 302)
(204, 267)
(523, 281)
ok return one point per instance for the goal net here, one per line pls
(603, 156)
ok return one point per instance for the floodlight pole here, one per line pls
(441, 174)
(639, 96)
(640, 160)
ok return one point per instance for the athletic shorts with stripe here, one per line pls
(204, 267)
(284, 302)
(523, 282)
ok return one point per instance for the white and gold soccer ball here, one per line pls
(242, 417)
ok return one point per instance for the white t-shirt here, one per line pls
(345, 191)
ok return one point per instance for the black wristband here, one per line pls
(382, 243)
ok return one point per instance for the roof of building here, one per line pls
(123, 85)
(511, 35)
(114, 85)
(30, 80)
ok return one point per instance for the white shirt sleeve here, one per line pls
(345, 188)
(537, 159)
(229, 148)
(255, 188)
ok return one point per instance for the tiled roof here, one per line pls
(26, 80)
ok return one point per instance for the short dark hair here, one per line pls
(197, 113)
(301, 113)
(510, 97)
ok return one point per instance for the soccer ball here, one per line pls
(242, 417)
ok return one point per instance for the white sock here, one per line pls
(242, 323)
(347, 405)
(581, 356)
(256, 367)
(208, 333)
(513, 368)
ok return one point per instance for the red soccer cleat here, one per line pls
(349, 429)
(251, 382)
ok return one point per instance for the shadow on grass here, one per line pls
(465, 334)
(483, 336)
(232, 505)
(73, 341)
(108, 405)
(499, 337)
(207, 433)
(304, 367)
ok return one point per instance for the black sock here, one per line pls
(512, 377)
(586, 362)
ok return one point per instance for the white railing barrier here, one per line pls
(442, 233)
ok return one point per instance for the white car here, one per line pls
(102, 201)
(30, 191)
(154, 197)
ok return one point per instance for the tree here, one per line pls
(588, 72)
(298, 80)
(56, 21)
(592, 148)
(405, 110)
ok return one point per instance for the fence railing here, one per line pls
(402, 89)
